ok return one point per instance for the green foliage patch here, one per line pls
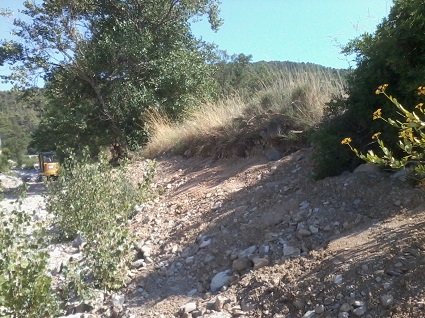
(97, 201)
(411, 137)
(394, 54)
(25, 287)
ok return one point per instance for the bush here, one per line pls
(394, 54)
(4, 160)
(27, 162)
(96, 201)
(410, 134)
(25, 289)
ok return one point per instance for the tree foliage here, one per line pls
(394, 54)
(106, 62)
(20, 116)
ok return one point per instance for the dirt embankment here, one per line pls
(256, 238)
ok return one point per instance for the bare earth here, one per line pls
(288, 246)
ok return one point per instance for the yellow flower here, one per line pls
(376, 136)
(406, 134)
(421, 90)
(377, 114)
(419, 106)
(346, 141)
(381, 89)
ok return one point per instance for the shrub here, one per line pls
(394, 54)
(96, 201)
(410, 134)
(4, 160)
(27, 162)
(25, 289)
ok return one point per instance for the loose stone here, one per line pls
(319, 309)
(309, 314)
(345, 307)
(387, 300)
(328, 301)
(260, 262)
(338, 279)
(189, 307)
(241, 264)
(360, 311)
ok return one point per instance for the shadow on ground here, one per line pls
(238, 203)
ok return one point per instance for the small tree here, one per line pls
(106, 64)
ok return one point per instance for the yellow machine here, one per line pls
(49, 165)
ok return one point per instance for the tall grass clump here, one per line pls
(97, 201)
(295, 99)
(206, 121)
(300, 95)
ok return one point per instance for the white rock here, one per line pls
(360, 311)
(338, 279)
(117, 300)
(189, 307)
(319, 309)
(309, 314)
(387, 300)
(219, 280)
(206, 242)
(139, 263)
(248, 252)
(146, 250)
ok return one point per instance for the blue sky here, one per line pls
(294, 30)
(277, 30)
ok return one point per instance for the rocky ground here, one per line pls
(256, 238)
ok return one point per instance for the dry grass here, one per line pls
(299, 97)
(175, 136)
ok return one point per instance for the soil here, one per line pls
(288, 246)
(346, 246)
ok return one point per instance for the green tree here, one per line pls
(20, 115)
(105, 64)
(394, 54)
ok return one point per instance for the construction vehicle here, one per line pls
(48, 165)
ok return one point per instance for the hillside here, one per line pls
(285, 246)
(20, 115)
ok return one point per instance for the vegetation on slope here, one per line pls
(276, 114)
(394, 54)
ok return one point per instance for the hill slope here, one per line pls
(346, 246)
